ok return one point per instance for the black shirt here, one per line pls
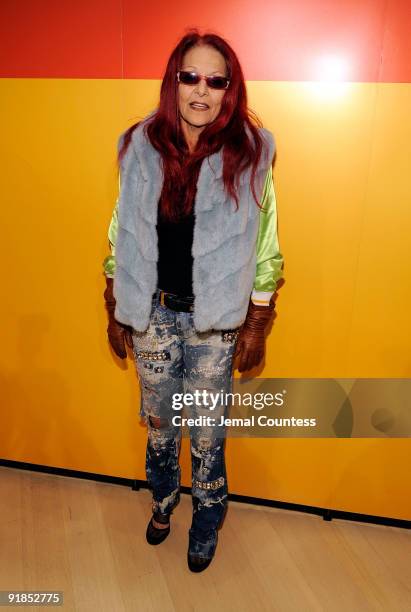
(175, 262)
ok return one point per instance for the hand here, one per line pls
(117, 332)
(251, 342)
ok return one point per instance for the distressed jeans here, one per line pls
(171, 357)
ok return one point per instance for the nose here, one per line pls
(202, 87)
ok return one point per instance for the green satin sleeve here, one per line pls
(269, 259)
(109, 263)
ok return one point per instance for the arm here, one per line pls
(269, 258)
(118, 334)
(250, 345)
(109, 263)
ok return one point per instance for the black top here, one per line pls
(175, 262)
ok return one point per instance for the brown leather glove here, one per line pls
(116, 331)
(251, 341)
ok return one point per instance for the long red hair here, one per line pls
(180, 168)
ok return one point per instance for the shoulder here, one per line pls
(138, 136)
(268, 142)
(120, 140)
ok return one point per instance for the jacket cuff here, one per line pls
(261, 298)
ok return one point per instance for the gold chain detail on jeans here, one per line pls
(155, 355)
(215, 484)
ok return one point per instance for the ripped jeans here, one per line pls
(171, 357)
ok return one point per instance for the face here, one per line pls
(207, 61)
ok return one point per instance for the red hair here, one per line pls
(180, 168)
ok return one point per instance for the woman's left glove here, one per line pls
(251, 341)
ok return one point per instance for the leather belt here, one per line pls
(176, 302)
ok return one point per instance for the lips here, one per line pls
(199, 106)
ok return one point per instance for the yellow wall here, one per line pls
(343, 197)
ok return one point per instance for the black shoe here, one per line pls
(196, 563)
(154, 535)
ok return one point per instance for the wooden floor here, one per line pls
(88, 540)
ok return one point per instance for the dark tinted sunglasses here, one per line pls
(193, 78)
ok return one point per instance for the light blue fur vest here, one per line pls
(224, 241)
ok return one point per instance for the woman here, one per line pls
(193, 269)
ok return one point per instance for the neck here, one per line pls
(191, 133)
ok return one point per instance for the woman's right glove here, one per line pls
(116, 331)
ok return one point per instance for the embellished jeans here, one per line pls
(173, 359)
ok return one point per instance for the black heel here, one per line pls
(154, 535)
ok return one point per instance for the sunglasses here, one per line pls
(193, 78)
